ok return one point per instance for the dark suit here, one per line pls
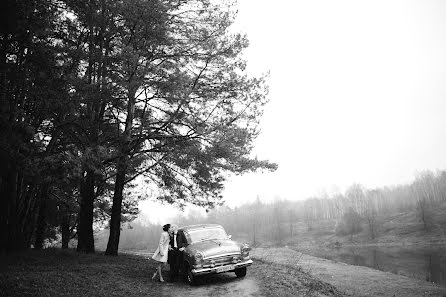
(175, 255)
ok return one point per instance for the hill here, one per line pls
(403, 228)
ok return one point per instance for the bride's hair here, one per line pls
(166, 227)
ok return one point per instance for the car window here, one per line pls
(206, 234)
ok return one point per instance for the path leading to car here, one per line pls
(214, 285)
(263, 279)
(223, 284)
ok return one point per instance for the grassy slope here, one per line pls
(289, 279)
(397, 229)
(55, 272)
(354, 280)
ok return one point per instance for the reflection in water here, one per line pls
(426, 264)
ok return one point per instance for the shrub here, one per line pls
(350, 223)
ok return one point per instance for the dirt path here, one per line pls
(215, 285)
(263, 279)
(354, 280)
(225, 284)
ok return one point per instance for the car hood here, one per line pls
(210, 248)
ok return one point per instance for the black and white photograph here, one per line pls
(223, 148)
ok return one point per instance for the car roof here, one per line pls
(199, 226)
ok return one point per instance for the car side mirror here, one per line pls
(229, 236)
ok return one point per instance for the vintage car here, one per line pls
(210, 250)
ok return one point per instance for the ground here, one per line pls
(275, 272)
(56, 272)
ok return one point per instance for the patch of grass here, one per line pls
(350, 280)
(55, 272)
(289, 280)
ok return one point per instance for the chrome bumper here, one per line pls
(201, 271)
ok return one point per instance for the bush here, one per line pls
(350, 223)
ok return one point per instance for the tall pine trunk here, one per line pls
(27, 222)
(85, 241)
(41, 220)
(65, 228)
(43, 198)
(115, 220)
(8, 217)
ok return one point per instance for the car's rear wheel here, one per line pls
(240, 272)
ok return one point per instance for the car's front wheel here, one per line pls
(190, 278)
(240, 272)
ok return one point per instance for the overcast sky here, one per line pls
(357, 94)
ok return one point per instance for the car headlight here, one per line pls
(244, 249)
(198, 257)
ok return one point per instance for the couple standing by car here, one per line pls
(170, 250)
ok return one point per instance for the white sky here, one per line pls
(357, 94)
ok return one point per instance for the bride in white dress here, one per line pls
(161, 252)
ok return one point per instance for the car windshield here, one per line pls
(207, 234)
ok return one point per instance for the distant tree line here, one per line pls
(421, 195)
(104, 103)
(355, 210)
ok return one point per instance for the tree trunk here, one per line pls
(115, 220)
(8, 217)
(85, 241)
(254, 243)
(25, 213)
(4, 231)
(65, 227)
(41, 220)
(41, 228)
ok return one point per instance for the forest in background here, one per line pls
(357, 210)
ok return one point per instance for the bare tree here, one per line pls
(291, 219)
(255, 221)
(355, 196)
(350, 224)
(308, 214)
(424, 193)
(370, 213)
(277, 218)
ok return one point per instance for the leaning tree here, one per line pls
(191, 112)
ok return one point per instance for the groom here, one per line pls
(177, 245)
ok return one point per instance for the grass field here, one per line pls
(56, 272)
(289, 281)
